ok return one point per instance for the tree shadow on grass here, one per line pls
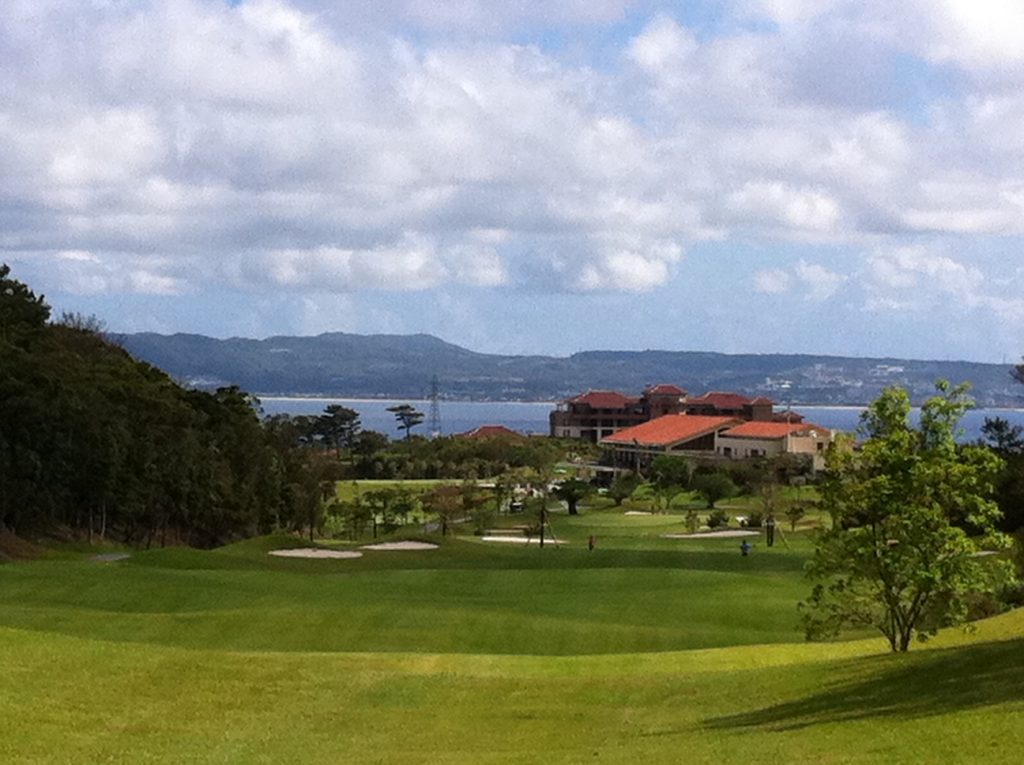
(914, 685)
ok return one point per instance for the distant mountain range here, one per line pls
(402, 366)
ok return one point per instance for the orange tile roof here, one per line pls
(772, 430)
(603, 399)
(490, 431)
(665, 389)
(670, 429)
(720, 400)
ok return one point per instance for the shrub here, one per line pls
(717, 519)
(692, 520)
(483, 517)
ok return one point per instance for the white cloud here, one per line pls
(266, 144)
(778, 204)
(983, 33)
(662, 45)
(772, 281)
(629, 266)
(813, 280)
(821, 283)
(918, 266)
(923, 278)
(410, 264)
(85, 273)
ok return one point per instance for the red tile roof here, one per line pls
(603, 399)
(772, 430)
(720, 400)
(762, 401)
(665, 389)
(788, 416)
(490, 431)
(670, 429)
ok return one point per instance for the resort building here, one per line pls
(675, 434)
(770, 439)
(713, 438)
(598, 414)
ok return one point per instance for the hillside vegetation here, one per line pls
(98, 444)
(341, 364)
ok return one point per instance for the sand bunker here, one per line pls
(109, 557)
(637, 512)
(523, 540)
(311, 552)
(407, 545)
(726, 534)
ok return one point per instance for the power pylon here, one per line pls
(434, 421)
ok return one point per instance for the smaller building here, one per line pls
(674, 434)
(491, 431)
(770, 439)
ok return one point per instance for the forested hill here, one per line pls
(340, 364)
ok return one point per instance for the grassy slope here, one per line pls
(461, 655)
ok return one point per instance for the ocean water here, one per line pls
(532, 416)
(456, 416)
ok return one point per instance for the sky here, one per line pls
(527, 176)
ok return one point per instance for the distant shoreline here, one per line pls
(384, 399)
(537, 402)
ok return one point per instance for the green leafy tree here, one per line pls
(571, 492)
(390, 507)
(370, 442)
(794, 513)
(1005, 438)
(407, 416)
(910, 511)
(22, 312)
(713, 487)
(622, 488)
(339, 427)
(447, 503)
(669, 477)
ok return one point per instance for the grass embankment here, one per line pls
(646, 649)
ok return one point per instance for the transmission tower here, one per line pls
(434, 421)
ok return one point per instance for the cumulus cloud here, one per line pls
(270, 145)
(925, 272)
(813, 281)
(84, 273)
(921, 278)
(777, 204)
(662, 45)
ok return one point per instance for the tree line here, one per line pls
(96, 442)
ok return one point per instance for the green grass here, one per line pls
(645, 649)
